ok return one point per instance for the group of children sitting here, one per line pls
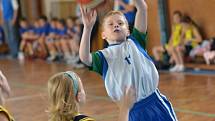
(185, 43)
(54, 40)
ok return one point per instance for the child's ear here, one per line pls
(81, 97)
(103, 36)
(128, 32)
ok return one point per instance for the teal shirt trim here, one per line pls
(140, 37)
(96, 62)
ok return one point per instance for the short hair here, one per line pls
(72, 18)
(43, 17)
(186, 19)
(23, 19)
(54, 19)
(177, 13)
(62, 21)
(111, 13)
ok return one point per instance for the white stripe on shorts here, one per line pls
(161, 99)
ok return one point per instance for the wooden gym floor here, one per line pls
(191, 95)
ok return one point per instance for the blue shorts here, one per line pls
(156, 107)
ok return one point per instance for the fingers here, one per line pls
(4, 84)
(81, 8)
(130, 92)
(94, 15)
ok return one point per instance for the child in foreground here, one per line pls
(66, 92)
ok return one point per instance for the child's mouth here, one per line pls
(116, 30)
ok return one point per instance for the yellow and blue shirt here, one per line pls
(189, 36)
(176, 37)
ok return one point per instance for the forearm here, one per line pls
(84, 51)
(123, 114)
(15, 15)
(141, 19)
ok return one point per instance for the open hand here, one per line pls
(4, 84)
(88, 16)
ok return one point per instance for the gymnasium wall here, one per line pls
(201, 11)
(32, 9)
(153, 25)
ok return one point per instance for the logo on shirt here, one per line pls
(128, 58)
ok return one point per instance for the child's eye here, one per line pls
(120, 23)
(110, 24)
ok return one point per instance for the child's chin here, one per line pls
(119, 39)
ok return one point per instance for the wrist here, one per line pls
(124, 107)
(141, 8)
(88, 28)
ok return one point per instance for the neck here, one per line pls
(111, 42)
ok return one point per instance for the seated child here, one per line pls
(200, 49)
(170, 48)
(51, 38)
(61, 43)
(191, 36)
(42, 33)
(210, 55)
(27, 36)
(74, 33)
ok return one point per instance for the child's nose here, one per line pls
(116, 26)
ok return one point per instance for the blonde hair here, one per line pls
(114, 12)
(62, 99)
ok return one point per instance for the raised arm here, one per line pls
(88, 18)
(141, 15)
